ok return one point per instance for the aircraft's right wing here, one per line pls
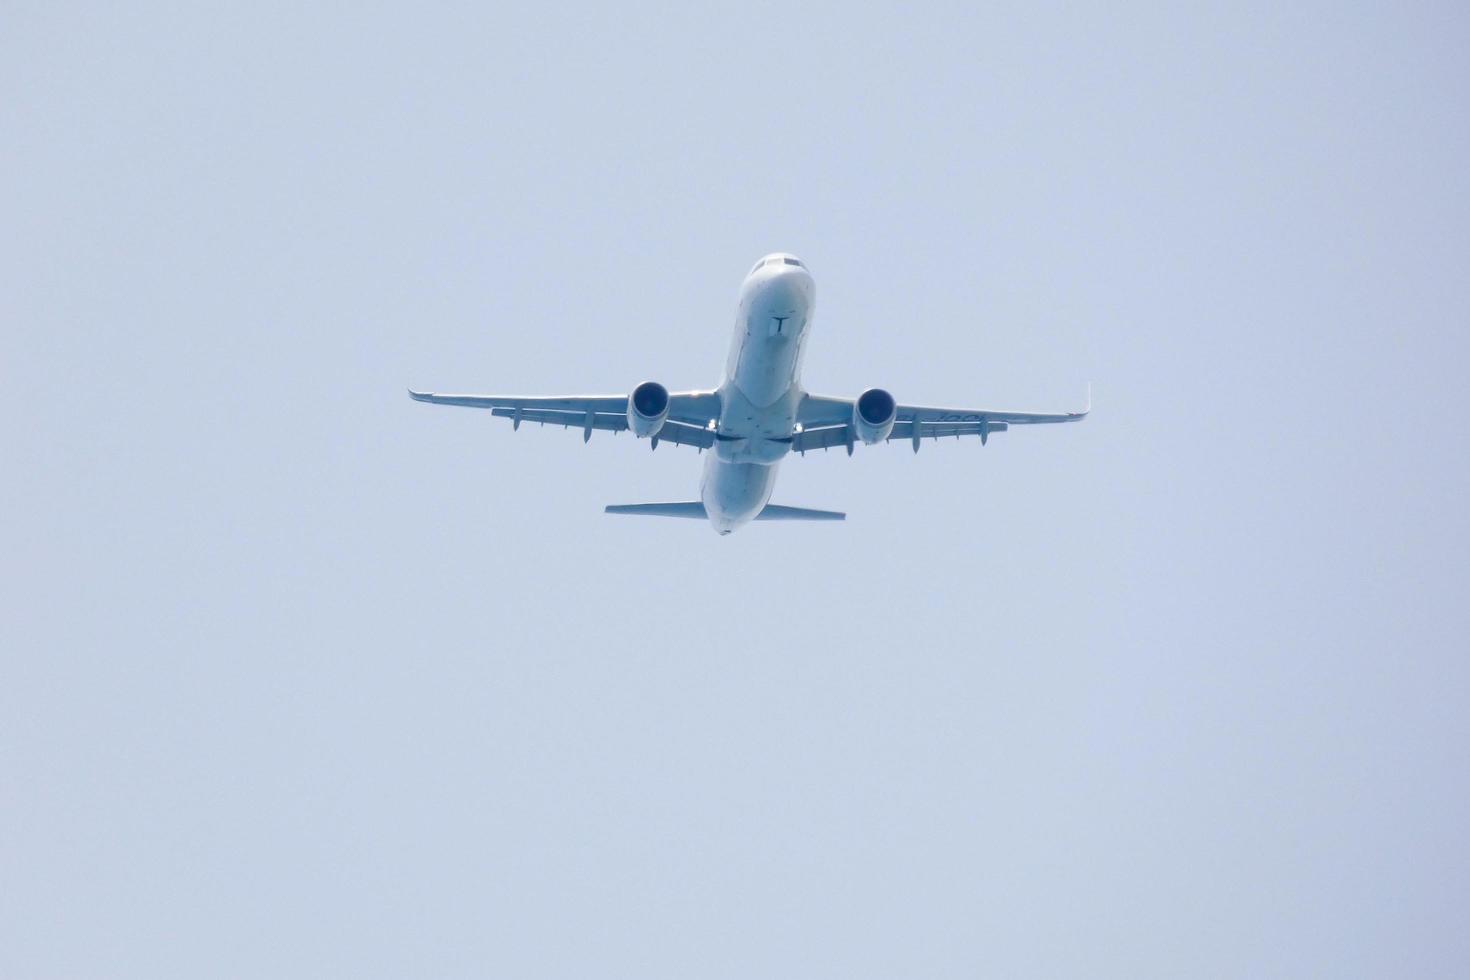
(690, 412)
(827, 422)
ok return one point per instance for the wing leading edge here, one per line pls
(690, 413)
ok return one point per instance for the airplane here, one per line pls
(758, 415)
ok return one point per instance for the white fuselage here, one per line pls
(761, 391)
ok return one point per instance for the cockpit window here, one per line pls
(777, 260)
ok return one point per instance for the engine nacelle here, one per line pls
(873, 415)
(648, 406)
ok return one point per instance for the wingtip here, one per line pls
(418, 396)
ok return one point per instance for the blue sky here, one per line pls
(303, 679)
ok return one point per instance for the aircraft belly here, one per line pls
(733, 493)
(760, 394)
(750, 433)
(766, 368)
(771, 329)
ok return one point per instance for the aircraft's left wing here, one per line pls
(827, 422)
(687, 425)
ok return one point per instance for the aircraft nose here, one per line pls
(788, 279)
(789, 283)
(780, 283)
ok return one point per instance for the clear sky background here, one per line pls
(303, 679)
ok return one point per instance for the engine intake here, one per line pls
(648, 407)
(873, 415)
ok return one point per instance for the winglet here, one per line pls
(420, 396)
(1088, 410)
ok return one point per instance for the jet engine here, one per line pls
(873, 414)
(648, 406)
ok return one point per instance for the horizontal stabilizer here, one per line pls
(691, 508)
(775, 512)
